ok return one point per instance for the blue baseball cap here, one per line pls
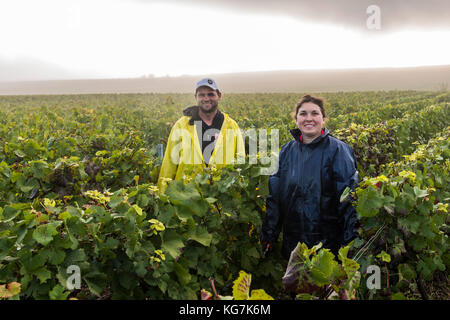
(207, 82)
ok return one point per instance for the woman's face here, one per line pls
(310, 121)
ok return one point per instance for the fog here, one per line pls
(396, 14)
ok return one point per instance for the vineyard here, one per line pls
(78, 178)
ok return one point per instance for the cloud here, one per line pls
(30, 69)
(396, 15)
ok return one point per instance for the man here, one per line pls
(203, 137)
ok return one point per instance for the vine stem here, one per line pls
(362, 251)
(211, 280)
(388, 289)
(421, 288)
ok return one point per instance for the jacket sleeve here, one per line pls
(273, 221)
(169, 166)
(346, 175)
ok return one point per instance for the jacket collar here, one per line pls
(296, 133)
(193, 113)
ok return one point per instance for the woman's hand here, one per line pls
(266, 247)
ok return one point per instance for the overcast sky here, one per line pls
(69, 39)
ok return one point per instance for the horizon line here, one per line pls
(151, 76)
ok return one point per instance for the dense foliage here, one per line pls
(77, 187)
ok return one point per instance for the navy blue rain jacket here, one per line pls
(304, 199)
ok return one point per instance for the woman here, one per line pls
(304, 200)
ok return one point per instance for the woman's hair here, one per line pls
(316, 100)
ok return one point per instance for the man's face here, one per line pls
(207, 99)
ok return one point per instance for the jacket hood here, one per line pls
(190, 111)
(296, 133)
(193, 113)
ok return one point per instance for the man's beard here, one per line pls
(213, 109)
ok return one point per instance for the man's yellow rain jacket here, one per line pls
(184, 154)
